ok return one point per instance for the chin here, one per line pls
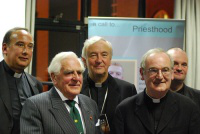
(161, 89)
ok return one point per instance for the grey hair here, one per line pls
(92, 41)
(55, 64)
(151, 51)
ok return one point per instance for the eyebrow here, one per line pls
(69, 71)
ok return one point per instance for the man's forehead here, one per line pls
(155, 58)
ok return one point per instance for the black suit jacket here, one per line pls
(118, 90)
(6, 121)
(180, 116)
(46, 114)
(192, 93)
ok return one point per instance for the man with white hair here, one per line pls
(99, 85)
(61, 110)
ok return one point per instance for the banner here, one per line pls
(131, 38)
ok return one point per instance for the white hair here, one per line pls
(92, 41)
(55, 65)
(151, 51)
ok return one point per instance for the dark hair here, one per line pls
(7, 36)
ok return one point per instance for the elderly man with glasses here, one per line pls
(157, 110)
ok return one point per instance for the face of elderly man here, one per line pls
(98, 58)
(69, 80)
(157, 74)
(180, 63)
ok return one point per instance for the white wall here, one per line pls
(12, 14)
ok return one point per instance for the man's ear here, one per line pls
(4, 48)
(84, 62)
(53, 78)
(142, 73)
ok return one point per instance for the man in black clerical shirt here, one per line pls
(157, 110)
(180, 71)
(107, 91)
(16, 85)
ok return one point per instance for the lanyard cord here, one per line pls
(103, 101)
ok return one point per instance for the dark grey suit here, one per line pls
(6, 121)
(180, 116)
(46, 114)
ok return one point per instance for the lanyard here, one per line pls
(103, 101)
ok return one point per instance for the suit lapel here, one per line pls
(168, 111)
(87, 116)
(32, 84)
(143, 113)
(61, 114)
(4, 90)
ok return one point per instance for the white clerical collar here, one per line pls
(153, 100)
(98, 84)
(16, 75)
(63, 98)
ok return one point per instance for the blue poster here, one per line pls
(132, 37)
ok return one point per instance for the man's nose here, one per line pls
(76, 76)
(160, 74)
(24, 49)
(99, 58)
(179, 67)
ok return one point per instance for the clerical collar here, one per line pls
(97, 84)
(10, 71)
(154, 100)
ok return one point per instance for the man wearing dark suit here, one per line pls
(180, 71)
(107, 91)
(15, 84)
(51, 112)
(157, 110)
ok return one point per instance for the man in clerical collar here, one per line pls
(180, 71)
(16, 85)
(62, 109)
(157, 110)
(99, 85)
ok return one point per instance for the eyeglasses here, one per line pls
(154, 71)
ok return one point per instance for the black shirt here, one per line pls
(97, 92)
(155, 109)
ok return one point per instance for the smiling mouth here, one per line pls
(75, 85)
(99, 67)
(24, 59)
(178, 73)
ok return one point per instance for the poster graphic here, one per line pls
(132, 37)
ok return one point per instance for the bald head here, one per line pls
(180, 63)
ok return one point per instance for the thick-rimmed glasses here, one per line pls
(154, 71)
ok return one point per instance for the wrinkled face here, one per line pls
(19, 52)
(69, 80)
(157, 74)
(98, 58)
(116, 71)
(180, 64)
